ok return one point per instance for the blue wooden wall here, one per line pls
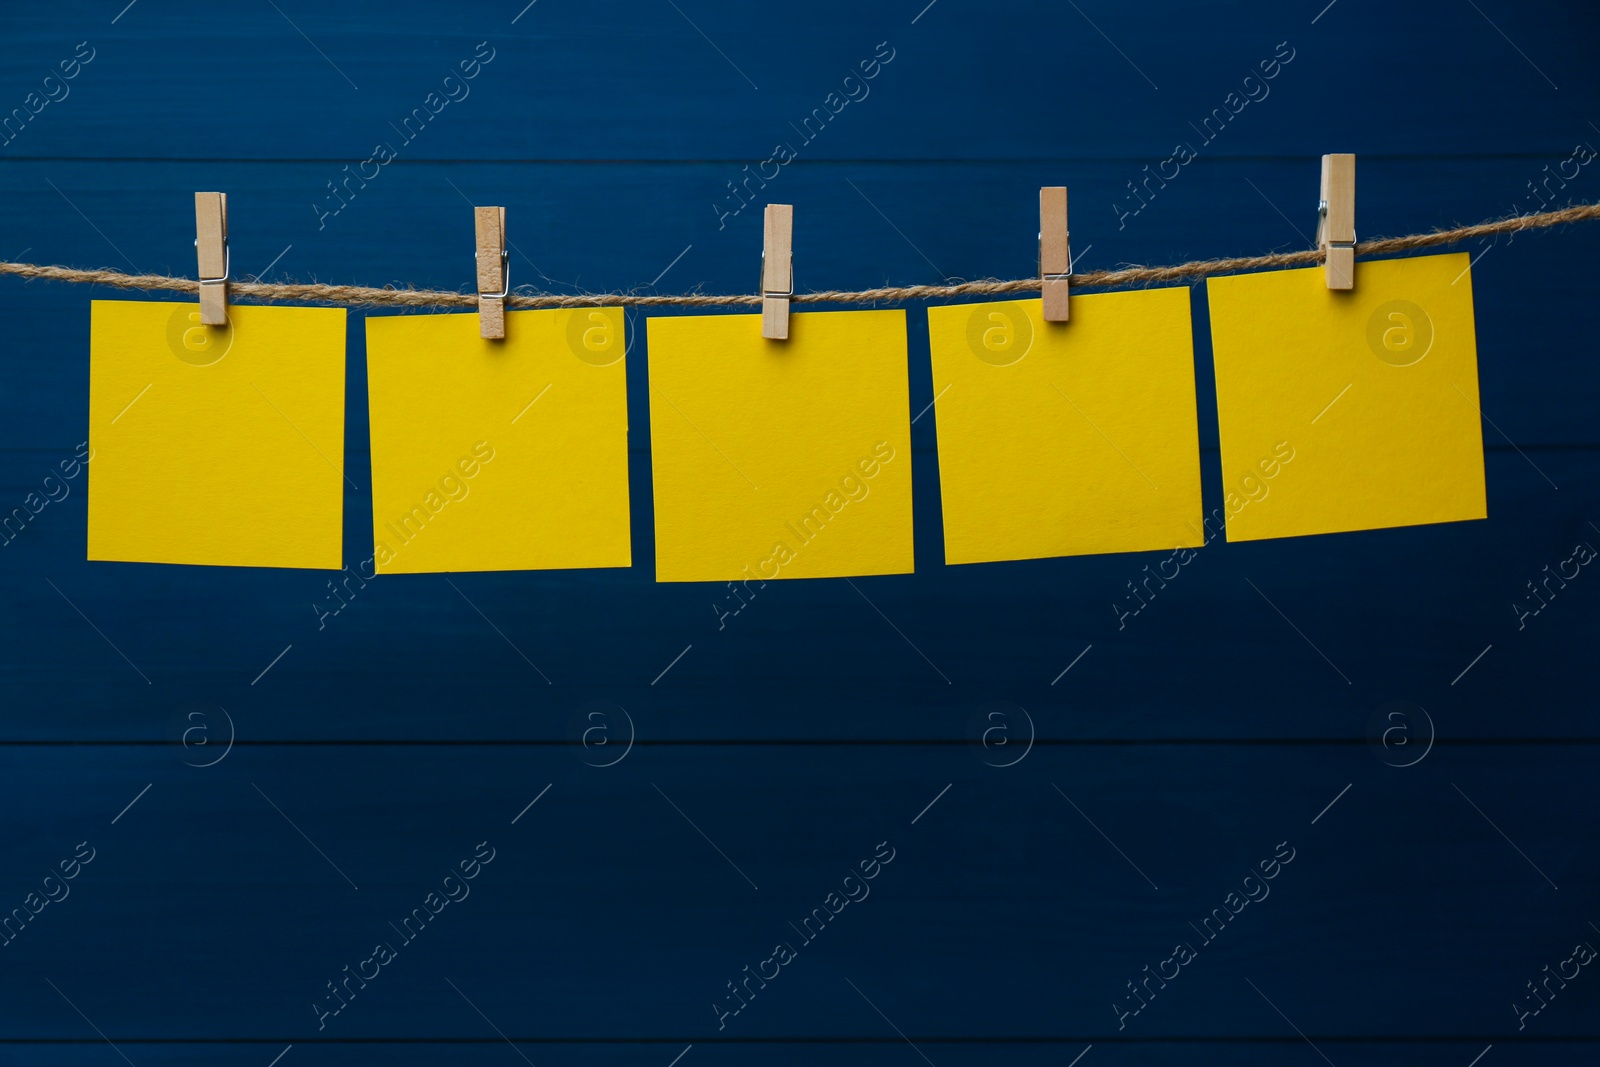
(1364, 715)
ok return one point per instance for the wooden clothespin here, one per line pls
(1336, 220)
(494, 271)
(777, 271)
(1055, 252)
(211, 249)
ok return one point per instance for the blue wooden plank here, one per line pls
(619, 902)
(857, 226)
(1398, 614)
(494, 1051)
(724, 81)
(1365, 619)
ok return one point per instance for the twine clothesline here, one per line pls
(368, 296)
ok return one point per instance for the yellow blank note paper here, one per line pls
(1351, 410)
(780, 459)
(1066, 438)
(219, 445)
(499, 455)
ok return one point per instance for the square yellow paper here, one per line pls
(1351, 410)
(780, 459)
(499, 455)
(220, 445)
(1065, 439)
